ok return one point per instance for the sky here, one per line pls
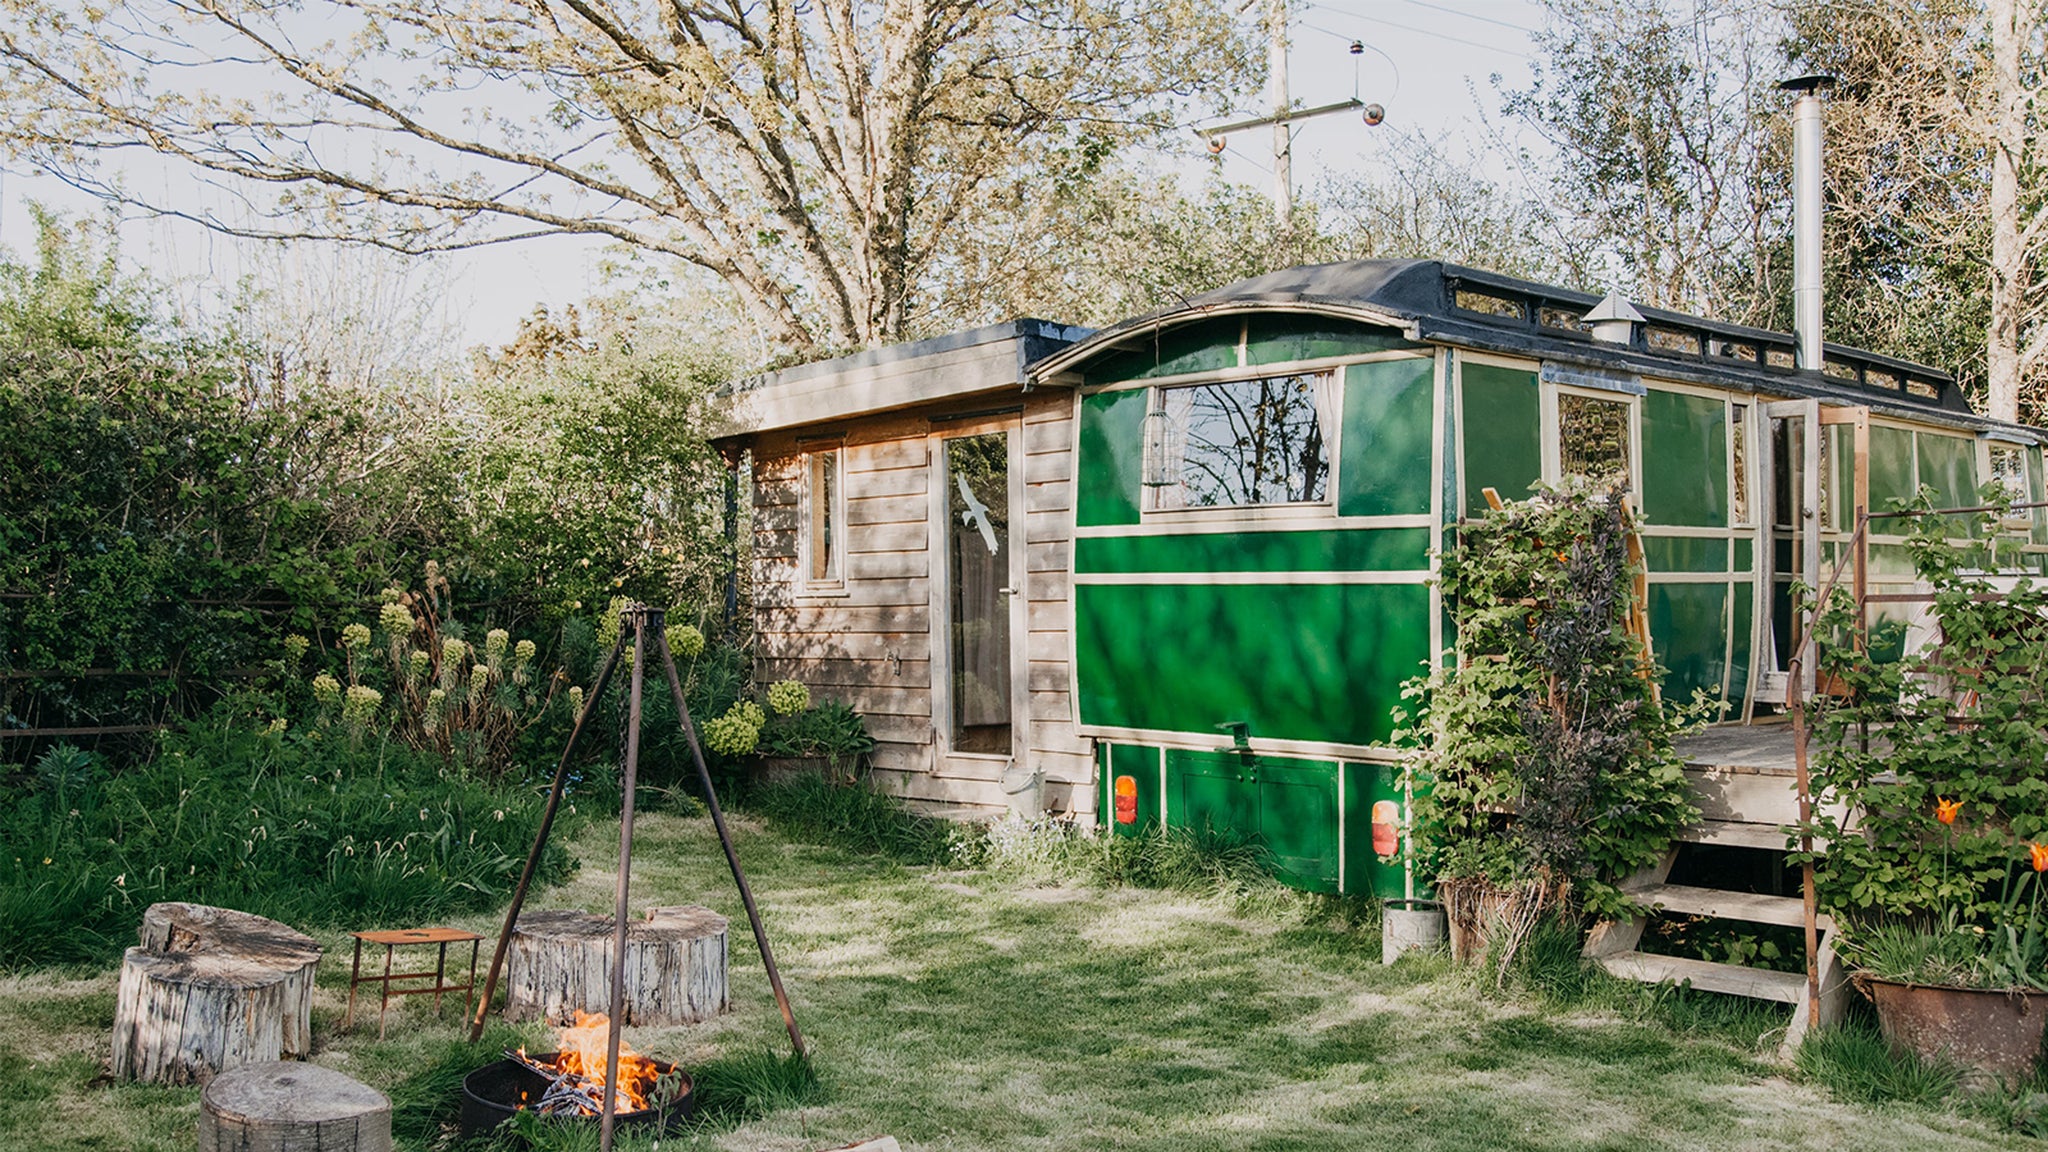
(1428, 62)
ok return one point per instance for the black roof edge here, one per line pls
(1036, 339)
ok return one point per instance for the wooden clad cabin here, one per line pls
(912, 511)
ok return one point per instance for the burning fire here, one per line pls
(579, 1072)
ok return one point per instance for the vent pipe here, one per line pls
(1806, 210)
(1613, 320)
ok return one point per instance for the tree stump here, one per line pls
(286, 1106)
(560, 963)
(172, 928)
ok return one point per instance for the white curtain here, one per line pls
(1329, 417)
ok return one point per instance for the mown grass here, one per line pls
(981, 1009)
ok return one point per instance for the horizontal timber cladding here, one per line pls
(1312, 662)
(867, 640)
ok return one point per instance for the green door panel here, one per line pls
(1111, 469)
(1685, 460)
(1347, 550)
(1891, 467)
(1689, 635)
(1503, 429)
(1288, 805)
(1389, 416)
(1297, 661)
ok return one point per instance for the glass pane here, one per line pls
(824, 497)
(1738, 440)
(1243, 442)
(1592, 437)
(2009, 470)
(978, 566)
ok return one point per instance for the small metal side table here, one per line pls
(394, 939)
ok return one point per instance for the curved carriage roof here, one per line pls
(1436, 302)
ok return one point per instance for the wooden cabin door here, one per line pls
(1790, 531)
(979, 679)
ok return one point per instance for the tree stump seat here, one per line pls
(559, 963)
(209, 989)
(288, 1106)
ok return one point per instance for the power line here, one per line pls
(1380, 20)
(1472, 16)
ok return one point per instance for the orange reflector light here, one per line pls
(1386, 828)
(1126, 800)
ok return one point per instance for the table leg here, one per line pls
(355, 969)
(384, 1000)
(440, 979)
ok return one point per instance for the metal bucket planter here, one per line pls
(783, 769)
(1994, 1032)
(1410, 926)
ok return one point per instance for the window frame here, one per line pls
(1553, 446)
(1278, 510)
(809, 522)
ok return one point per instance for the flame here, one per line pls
(582, 1052)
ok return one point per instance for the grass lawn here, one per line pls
(979, 1011)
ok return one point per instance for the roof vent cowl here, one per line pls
(1613, 320)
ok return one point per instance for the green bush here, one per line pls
(297, 826)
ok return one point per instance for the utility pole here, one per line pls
(1283, 135)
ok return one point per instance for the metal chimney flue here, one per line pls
(1806, 210)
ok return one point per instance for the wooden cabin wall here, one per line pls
(871, 644)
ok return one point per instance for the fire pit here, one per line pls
(568, 1086)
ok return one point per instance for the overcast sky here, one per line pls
(1429, 62)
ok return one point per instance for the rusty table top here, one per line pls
(417, 936)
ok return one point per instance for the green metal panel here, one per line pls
(1503, 433)
(1289, 805)
(1685, 553)
(1742, 609)
(1689, 632)
(1891, 467)
(1948, 464)
(1349, 550)
(1200, 347)
(1142, 766)
(1366, 873)
(1389, 413)
(1297, 661)
(1685, 460)
(2034, 485)
(1278, 338)
(1111, 469)
(1745, 554)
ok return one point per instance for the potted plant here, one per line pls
(1544, 766)
(800, 738)
(1931, 787)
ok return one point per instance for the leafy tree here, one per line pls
(820, 159)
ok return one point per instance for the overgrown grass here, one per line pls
(299, 827)
(1853, 1062)
(853, 818)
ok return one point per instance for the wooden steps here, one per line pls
(1686, 900)
(1707, 976)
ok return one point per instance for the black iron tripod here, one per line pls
(645, 629)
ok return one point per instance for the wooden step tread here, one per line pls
(1720, 904)
(1707, 976)
(1734, 834)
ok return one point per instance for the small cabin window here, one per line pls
(1673, 340)
(1241, 442)
(1488, 304)
(824, 515)
(1780, 358)
(1923, 388)
(1734, 351)
(1592, 436)
(1561, 319)
(1875, 378)
(1738, 459)
(1838, 370)
(2009, 470)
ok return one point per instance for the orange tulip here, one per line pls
(1945, 810)
(2039, 852)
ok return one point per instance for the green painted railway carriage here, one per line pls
(1261, 478)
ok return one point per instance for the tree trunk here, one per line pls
(174, 928)
(2008, 253)
(182, 1018)
(287, 1106)
(560, 963)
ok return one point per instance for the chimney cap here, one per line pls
(1809, 83)
(1613, 306)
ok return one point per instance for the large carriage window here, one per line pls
(1592, 437)
(1241, 443)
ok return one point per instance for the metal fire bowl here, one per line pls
(491, 1096)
